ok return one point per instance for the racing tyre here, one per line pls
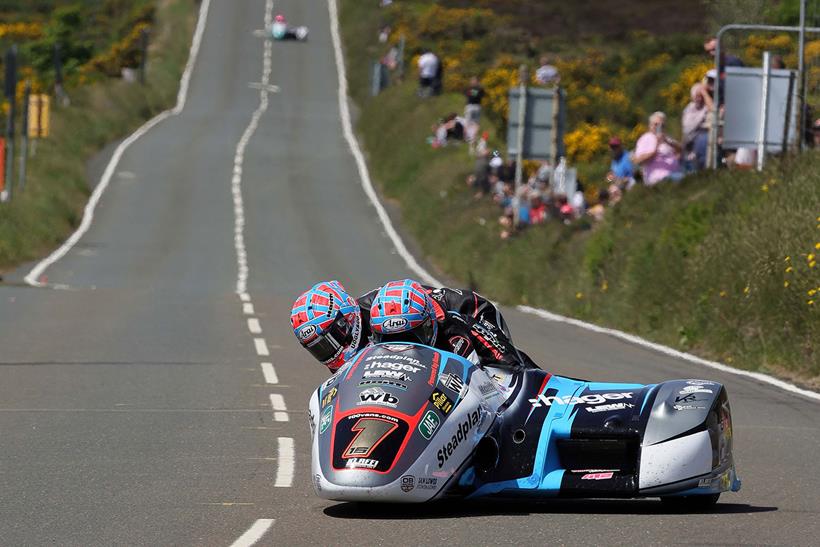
(691, 503)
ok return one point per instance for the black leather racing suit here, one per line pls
(467, 322)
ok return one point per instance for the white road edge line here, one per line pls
(88, 213)
(280, 411)
(269, 373)
(637, 340)
(261, 347)
(239, 159)
(254, 533)
(254, 326)
(284, 471)
(367, 184)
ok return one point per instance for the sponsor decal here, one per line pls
(409, 359)
(689, 398)
(434, 369)
(459, 344)
(455, 384)
(700, 383)
(688, 407)
(394, 324)
(390, 374)
(397, 347)
(609, 407)
(329, 396)
(592, 399)
(695, 389)
(387, 383)
(307, 332)
(597, 476)
(408, 482)
(441, 401)
(332, 379)
(378, 396)
(361, 463)
(472, 420)
(327, 419)
(392, 366)
(317, 482)
(488, 389)
(426, 483)
(428, 424)
(311, 423)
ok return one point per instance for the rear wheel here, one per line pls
(691, 503)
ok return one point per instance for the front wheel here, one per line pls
(691, 503)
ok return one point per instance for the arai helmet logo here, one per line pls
(394, 324)
(307, 332)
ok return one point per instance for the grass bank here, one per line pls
(722, 265)
(50, 208)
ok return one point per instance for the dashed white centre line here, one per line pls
(247, 308)
(244, 297)
(261, 347)
(284, 471)
(254, 533)
(254, 326)
(280, 413)
(270, 373)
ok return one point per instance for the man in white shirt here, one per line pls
(428, 67)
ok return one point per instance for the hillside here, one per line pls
(722, 265)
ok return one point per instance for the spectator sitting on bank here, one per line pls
(547, 74)
(537, 208)
(597, 211)
(695, 128)
(658, 154)
(428, 65)
(479, 179)
(621, 171)
(449, 128)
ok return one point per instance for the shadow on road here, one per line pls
(459, 508)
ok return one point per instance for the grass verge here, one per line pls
(50, 207)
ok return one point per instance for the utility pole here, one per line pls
(801, 79)
(523, 76)
(25, 125)
(10, 92)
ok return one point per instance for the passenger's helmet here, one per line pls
(279, 18)
(402, 311)
(327, 322)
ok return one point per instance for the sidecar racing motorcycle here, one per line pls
(409, 423)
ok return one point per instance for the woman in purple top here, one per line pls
(658, 154)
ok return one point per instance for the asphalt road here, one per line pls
(133, 409)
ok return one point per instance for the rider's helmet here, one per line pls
(327, 322)
(279, 18)
(402, 311)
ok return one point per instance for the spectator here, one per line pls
(744, 158)
(816, 133)
(384, 34)
(479, 180)
(657, 153)
(695, 124)
(537, 209)
(449, 128)
(726, 59)
(621, 171)
(474, 94)
(428, 65)
(777, 62)
(597, 210)
(438, 79)
(547, 74)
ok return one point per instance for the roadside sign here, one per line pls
(39, 116)
(544, 122)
